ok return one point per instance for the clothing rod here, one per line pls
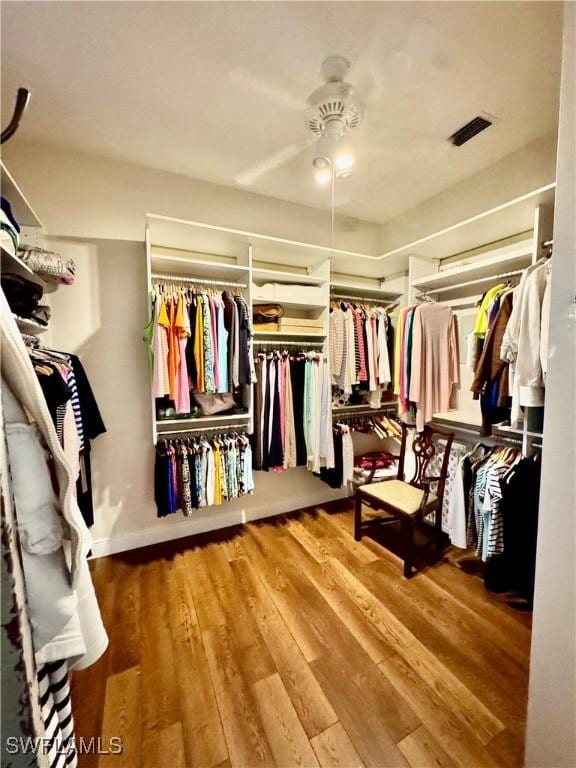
(309, 344)
(219, 428)
(363, 299)
(470, 282)
(196, 280)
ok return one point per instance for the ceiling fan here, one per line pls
(332, 111)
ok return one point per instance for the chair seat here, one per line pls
(397, 494)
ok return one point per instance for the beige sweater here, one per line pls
(434, 361)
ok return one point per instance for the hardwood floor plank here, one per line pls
(347, 611)
(335, 750)
(122, 718)
(508, 749)
(245, 736)
(126, 654)
(284, 642)
(286, 737)
(313, 708)
(456, 695)
(423, 751)
(456, 736)
(256, 660)
(286, 599)
(165, 747)
(203, 735)
(346, 655)
(160, 693)
(366, 728)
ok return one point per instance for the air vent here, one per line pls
(468, 131)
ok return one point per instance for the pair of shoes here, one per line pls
(520, 603)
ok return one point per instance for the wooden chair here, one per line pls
(394, 500)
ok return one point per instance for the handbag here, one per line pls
(375, 460)
(214, 403)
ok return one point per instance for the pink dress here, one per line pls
(434, 367)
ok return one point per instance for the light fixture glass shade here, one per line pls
(344, 162)
(323, 177)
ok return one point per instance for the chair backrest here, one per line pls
(425, 447)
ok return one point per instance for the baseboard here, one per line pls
(189, 526)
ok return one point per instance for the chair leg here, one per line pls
(357, 517)
(408, 545)
(438, 529)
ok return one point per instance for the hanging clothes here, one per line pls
(491, 381)
(193, 473)
(433, 361)
(293, 412)
(201, 344)
(358, 353)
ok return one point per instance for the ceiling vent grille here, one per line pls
(468, 131)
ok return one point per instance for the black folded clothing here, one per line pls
(22, 295)
(41, 314)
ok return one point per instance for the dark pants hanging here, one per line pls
(297, 372)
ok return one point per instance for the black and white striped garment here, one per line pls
(75, 400)
(57, 714)
(492, 498)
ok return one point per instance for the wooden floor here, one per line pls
(286, 643)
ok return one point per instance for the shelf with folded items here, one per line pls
(21, 208)
(257, 333)
(363, 409)
(15, 265)
(27, 325)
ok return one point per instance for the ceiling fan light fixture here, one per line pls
(321, 162)
(344, 162)
(323, 177)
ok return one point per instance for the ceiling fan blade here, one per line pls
(267, 90)
(248, 177)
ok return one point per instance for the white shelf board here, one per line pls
(511, 218)
(262, 276)
(189, 422)
(357, 289)
(482, 268)
(296, 303)
(15, 264)
(283, 335)
(211, 239)
(29, 326)
(21, 208)
(187, 267)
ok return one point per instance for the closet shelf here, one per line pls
(484, 270)
(363, 291)
(29, 326)
(296, 303)
(187, 267)
(21, 208)
(15, 264)
(283, 335)
(202, 420)
(505, 430)
(343, 410)
(290, 278)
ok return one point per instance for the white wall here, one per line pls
(550, 738)
(82, 195)
(527, 169)
(101, 318)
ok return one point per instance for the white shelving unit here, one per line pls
(456, 265)
(21, 208)
(29, 326)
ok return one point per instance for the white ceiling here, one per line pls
(212, 89)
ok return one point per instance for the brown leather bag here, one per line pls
(267, 313)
